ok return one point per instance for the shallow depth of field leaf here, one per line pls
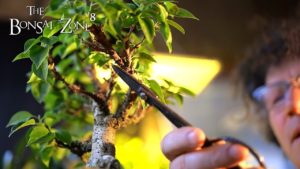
(19, 117)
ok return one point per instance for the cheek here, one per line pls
(277, 123)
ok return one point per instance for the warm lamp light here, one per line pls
(193, 73)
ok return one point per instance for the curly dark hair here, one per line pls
(280, 42)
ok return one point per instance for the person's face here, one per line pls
(284, 113)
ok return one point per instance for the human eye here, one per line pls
(277, 93)
(279, 97)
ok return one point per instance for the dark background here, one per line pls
(224, 30)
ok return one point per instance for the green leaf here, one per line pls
(146, 56)
(23, 55)
(63, 136)
(99, 58)
(30, 43)
(27, 46)
(176, 25)
(101, 2)
(64, 65)
(42, 71)
(128, 21)
(179, 98)
(37, 133)
(46, 155)
(147, 26)
(25, 124)
(70, 48)
(186, 91)
(163, 14)
(157, 89)
(49, 41)
(166, 34)
(171, 8)
(58, 50)
(39, 90)
(50, 31)
(183, 13)
(33, 78)
(55, 4)
(46, 139)
(38, 54)
(19, 117)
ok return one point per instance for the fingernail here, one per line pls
(194, 138)
(234, 151)
(237, 152)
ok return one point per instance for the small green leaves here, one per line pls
(183, 13)
(46, 155)
(63, 136)
(147, 26)
(123, 28)
(20, 120)
(49, 41)
(37, 133)
(42, 71)
(176, 11)
(39, 90)
(99, 58)
(25, 124)
(38, 54)
(157, 89)
(146, 56)
(176, 26)
(48, 31)
(55, 4)
(19, 117)
(166, 34)
(22, 55)
(179, 98)
(30, 43)
(70, 48)
(163, 13)
(27, 46)
(186, 91)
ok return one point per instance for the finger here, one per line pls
(182, 140)
(217, 156)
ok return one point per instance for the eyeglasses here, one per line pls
(274, 94)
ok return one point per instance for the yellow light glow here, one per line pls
(193, 73)
(186, 71)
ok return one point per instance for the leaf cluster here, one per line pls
(71, 69)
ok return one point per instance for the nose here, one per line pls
(296, 99)
(293, 97)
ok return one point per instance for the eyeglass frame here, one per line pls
(259, 94)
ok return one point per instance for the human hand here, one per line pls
(183, 147)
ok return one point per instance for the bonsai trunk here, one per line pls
(103, 149)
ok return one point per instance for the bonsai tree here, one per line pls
(71, 75)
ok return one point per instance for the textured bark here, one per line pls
(103, 149)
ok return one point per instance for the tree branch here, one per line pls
(76, 147)
(77, 89)
(130, 97)
(136, 46)
(122, 112)
(138, 115)
(91, 71)
(102, 39)
(103, 149)
(111, 83)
